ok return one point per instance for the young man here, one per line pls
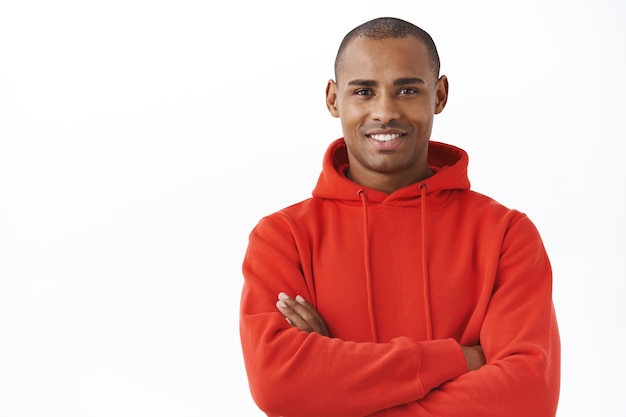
(396, 290)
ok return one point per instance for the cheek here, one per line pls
(423, 118)
(350, 120)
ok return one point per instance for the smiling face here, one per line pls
(386, 95)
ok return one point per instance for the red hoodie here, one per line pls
(402, 280)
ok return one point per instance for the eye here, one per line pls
(363, 92)
(407, 90)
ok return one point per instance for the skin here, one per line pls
(387, 87)
(384, 87)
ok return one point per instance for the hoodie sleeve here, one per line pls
(294, 373)
(520, 340)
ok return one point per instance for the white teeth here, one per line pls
(385, 138)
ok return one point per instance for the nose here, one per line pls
(384, 109)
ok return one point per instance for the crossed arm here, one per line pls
(301, 314)
(304, 371)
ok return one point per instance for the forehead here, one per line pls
(367, 58)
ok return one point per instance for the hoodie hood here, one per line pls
(449, 166)
(448, 163)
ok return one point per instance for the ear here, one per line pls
(441, 94)
(331, 98)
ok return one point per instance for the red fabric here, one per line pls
(484, 277)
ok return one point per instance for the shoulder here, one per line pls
(486, 210)
(478, 201)
(288, 217)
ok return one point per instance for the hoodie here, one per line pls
(403, 280)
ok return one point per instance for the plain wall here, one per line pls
(141, 141)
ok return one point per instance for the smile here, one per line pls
(385, 137)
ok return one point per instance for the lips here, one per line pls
(385, 137)
(386, 141)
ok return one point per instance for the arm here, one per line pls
(301, 314)
(520, 339)
(295, 373)
(519, 335)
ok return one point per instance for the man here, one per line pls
(400, 292)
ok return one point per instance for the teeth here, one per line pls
(385, 138)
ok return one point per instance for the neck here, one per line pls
(386, 183)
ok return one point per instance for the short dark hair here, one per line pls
(390, 27)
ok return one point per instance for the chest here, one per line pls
(402, 270)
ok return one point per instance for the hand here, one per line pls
(474, 357)
(301, 314)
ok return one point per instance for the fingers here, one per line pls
(319, 324)
(296, 313)
(301, 314)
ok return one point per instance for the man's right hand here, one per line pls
(301, 314)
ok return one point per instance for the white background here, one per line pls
(140, 141)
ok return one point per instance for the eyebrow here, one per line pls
(404, 81)
(399, 81)
(364, 83)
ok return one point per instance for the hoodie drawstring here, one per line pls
(427, 313)
(368, 271)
